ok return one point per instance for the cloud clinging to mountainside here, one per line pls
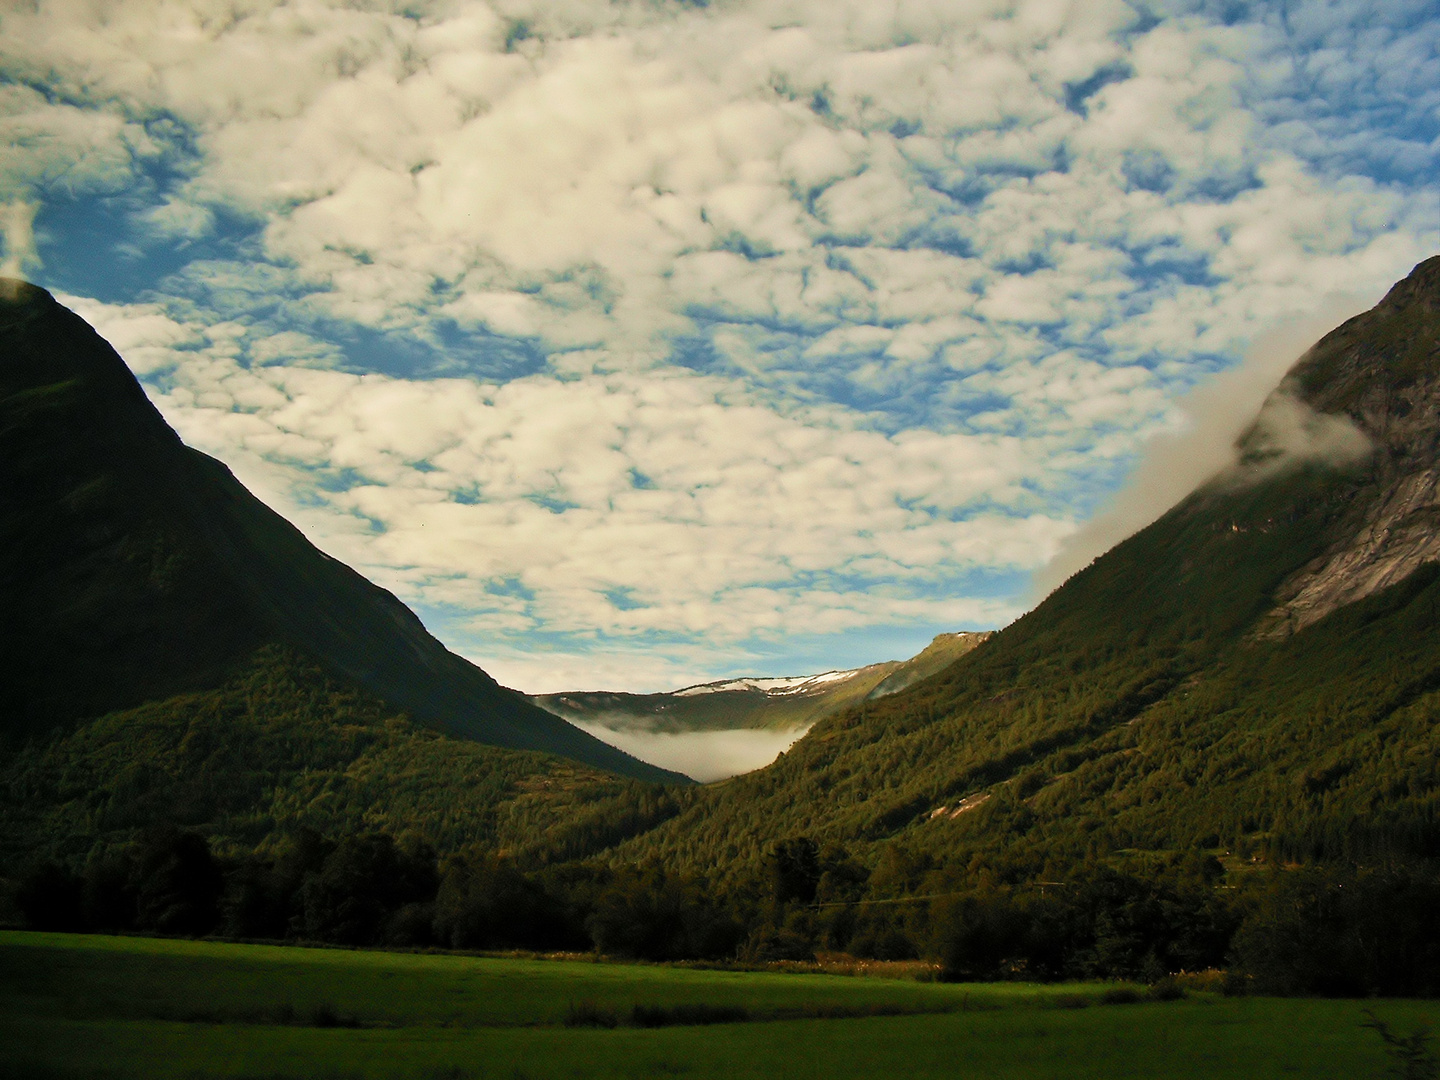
(670, 336)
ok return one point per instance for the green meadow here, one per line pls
(93, 1006)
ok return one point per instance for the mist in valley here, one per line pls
(700, 755)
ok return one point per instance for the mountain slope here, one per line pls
(942, 651)
(133, 569)
(1150, 702)
(279, 747)
(779, 704)
(783, 704)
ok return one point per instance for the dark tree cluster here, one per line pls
(372, 889)
(1097, 924)
(1318, 930)
(166, 882)
(1343, 932)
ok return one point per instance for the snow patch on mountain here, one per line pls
(798, 684)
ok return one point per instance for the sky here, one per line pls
(640, 344)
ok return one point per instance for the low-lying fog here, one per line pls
(701, 755)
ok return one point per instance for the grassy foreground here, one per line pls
(74, 1006)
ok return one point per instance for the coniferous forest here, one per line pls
(1172, 764)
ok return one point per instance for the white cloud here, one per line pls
(1200, 442)
(17, 238)
(945, 268)
(577, 193)
(678, 492)
(64, 148)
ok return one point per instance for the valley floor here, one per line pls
(73, 1006)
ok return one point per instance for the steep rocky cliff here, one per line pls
(1381, 370)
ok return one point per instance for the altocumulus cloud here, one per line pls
(641, 343)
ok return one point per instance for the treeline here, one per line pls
(373, 889)
(1334, 931)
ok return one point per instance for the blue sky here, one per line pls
(637, 344)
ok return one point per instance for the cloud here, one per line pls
(602, 187)
(1202, 439)
(17, 233)
(675, 503)
(64, 148)
(751, 317)
(1289, 432)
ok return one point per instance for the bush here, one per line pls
(1166, 989)
(653, 1016)
(1120, 995)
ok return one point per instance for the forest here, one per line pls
(1330, 931)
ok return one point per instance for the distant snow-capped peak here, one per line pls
(797, 684)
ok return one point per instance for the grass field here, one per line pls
(74, 1006)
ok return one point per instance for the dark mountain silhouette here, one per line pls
(134, 569)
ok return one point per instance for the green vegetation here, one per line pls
(1130, 713)
(1150, 707)
(282, 747)
(1147, 775)
(125, 1007)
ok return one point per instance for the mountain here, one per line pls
(942, 651)
(1257, 670)
(280, 747)
(134, 570)
(783, 704)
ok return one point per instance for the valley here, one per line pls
(764, 539)
(717, 730)
(1212, 750)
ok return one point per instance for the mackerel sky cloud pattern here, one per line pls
(642, 343)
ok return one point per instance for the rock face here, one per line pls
(1381, 370)
(133, 568)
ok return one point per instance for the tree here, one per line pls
(177, 884)
(794, 870)
(485, 902)
(361, 884)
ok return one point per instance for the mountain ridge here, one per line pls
(762, 702)
(1139, 711)
(1380, 370)
(148, 565)
(1136, 708)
